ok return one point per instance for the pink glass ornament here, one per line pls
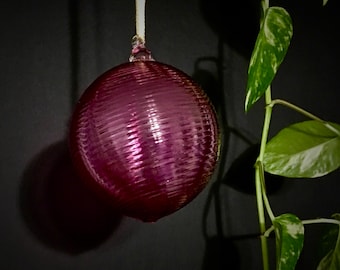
(145, 136)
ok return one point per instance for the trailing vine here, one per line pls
(314, 147)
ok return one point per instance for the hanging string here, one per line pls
(139, 51)
(140, 20)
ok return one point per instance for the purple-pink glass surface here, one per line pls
(145, 136)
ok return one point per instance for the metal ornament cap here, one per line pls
(145, 136)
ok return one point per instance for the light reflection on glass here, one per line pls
(154, 123)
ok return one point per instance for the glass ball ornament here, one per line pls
(145, 136)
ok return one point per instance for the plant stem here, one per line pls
(259, 173)
(259, 180)
(262, 220)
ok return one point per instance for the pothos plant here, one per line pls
(307, 149)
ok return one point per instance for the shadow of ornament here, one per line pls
(59, 209)
(241, 174)
(221, 253)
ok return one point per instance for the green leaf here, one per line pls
(304, 150)
(270, 49)
(331, 248)
(289, 233)
(324, 2)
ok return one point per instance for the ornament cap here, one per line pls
(139, 52)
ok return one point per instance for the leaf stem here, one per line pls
(294, 107)
(303, 112)
(321, 220)
(307, 222)
(267, 232)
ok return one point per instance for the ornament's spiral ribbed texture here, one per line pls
(146, 136)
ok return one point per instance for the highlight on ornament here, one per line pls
(145, 137)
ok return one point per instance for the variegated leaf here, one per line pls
(289, 232)
(270, 49)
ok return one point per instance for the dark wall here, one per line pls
(52, 50)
